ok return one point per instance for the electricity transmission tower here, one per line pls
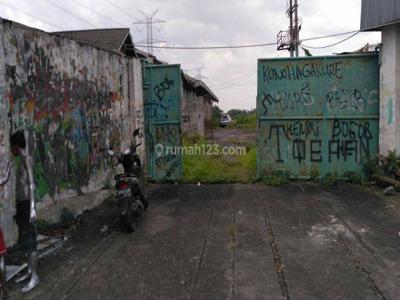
(289, 39)
(149, 20)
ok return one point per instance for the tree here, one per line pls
(216, 115)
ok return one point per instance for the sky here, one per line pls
(230, 73)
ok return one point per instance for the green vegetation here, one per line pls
(330, 179)
(314, 175)
(385, 170)
(216, 115)
(42, 224)
(243, 118)
(353, 177)
(240, 118)
(218, 168)
(390, 164)
(278, 178)
(383, 166)
(370, 168)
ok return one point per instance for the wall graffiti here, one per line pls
(71, 111)
(317, 115)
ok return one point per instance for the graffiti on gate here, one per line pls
(317, 113)
(161, 108)
(167, 163)
(336, 100)
(288, 100)
(303, 140)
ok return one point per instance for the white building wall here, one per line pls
(390, 90)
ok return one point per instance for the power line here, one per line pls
(70, 13)
(235, 83)
(331, 45)
(243, 46)
(30, 15)
(238, 79)
(120, 9)
(96, 13)
(207, 47)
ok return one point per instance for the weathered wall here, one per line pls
(73, 101)
(192, 109)
(6, 194)
(390, 90)
(136, 87)
(208, 124)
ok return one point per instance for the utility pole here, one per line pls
(296, 28)
(149, 20)
(291, 31)
(289, 40)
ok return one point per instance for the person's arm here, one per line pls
(6, 177)
(29, 167)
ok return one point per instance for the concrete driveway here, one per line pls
(241, 242)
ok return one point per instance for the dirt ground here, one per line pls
(299, 241)
(228, 136)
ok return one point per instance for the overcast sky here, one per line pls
(231, 74)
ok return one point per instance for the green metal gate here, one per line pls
(162, 113)
(317, 115)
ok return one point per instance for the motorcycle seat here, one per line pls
(125, 176)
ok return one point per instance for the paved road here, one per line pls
(243, 242)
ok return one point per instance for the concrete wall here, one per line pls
(192, 110)
(6, 194)
(196, 114)
(136, 86)
(208, 125)
(390, 90)
(73, 101)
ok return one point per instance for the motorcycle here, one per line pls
(129, 186)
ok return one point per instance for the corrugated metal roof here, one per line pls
(377, 13)
(199, 86)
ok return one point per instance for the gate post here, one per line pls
(389, 124)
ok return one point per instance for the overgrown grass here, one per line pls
(218, 168)
(244, 121)
(278, 178)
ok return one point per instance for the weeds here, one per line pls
(330, 179)
(314, 175)
(391, 164)
(244, 121)
(371, 169)
(218, 168)
(42, 224)
(353, 177)
(278, 178)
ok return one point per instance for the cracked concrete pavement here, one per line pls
(237, 241)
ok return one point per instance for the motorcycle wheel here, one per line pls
(129, 220)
